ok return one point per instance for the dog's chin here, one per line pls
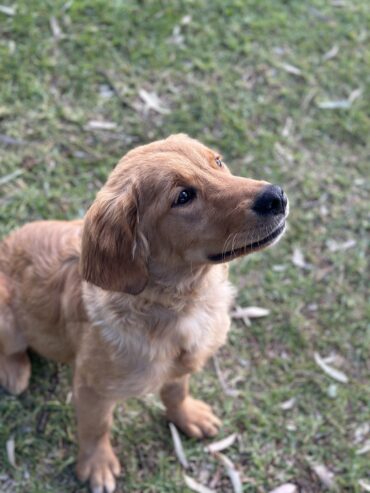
(255, 246)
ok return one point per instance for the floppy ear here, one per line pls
(113, 253)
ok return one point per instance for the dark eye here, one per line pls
(185, 196)
(218, 161)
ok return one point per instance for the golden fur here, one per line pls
(129, 295)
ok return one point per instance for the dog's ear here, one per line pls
(114, 254)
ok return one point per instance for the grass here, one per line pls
(222, 70)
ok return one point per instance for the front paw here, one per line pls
(100, 468)
(194, 418)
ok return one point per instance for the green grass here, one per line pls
(222, 74)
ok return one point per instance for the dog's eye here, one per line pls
(218, 161)
(185, 196)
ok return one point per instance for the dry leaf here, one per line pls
(332, 390)
(100, 125)
(283, 154)
(153, 102)
(179, 450)
(285, 488)
(355, 94)
(339, 104)
(225, 387)
(329, 370)
(335, 246)
(55, 28)
(299, 261)
(232, 472)
(285, 406)
(11, 176)
(325, 476)
(10, 450)
(249, 312)
(287, 127)
(333, 52)
(195, 486)
(291, 69)
(365, 485)
(186, 20)
(364, 449)
(221, 444)
(5, 9)
(361, 432)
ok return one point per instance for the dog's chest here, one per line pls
(151, 345)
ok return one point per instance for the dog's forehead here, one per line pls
(177, 151)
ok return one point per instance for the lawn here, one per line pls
(282, 89)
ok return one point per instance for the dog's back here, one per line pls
(41, 285)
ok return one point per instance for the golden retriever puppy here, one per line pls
(136, 294)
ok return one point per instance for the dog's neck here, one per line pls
(182, 283)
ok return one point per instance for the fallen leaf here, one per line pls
(355, 94)
(7, 10)
(339, 104)
(365, 485)
(249, 312)
(232, 472)
(285, 488)
(153, 102)
(333, 52)
(285, 406)
(291, 69)
(225, 387)
(195, 486)
(299, 261)
(10, 450)
(291, 426)
(186, 20)
(179, 450)
(326, 477)
(361, 432)
(329, 370)
(332, 391)
(221, 444)
(335, 246)
(283, 154)
(55, 28)
(364, 449)
(287, 127)
(100, 125)
(11, 176)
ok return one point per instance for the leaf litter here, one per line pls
(337, 375)
(325, 476)
(248, 313)
(10, 450)
(221, 444)
(231, 471)
(153, 102)
(177, 444)
(195, 486)
(285, 488)
(299, 260)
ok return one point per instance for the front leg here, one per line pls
(96, 460)
(193, 417)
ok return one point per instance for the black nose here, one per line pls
(272, 200)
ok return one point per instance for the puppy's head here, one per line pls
(174, 204)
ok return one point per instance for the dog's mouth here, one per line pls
(249, 248)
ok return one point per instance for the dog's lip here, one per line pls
(252, 247)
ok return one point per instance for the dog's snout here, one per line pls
(272, 200)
